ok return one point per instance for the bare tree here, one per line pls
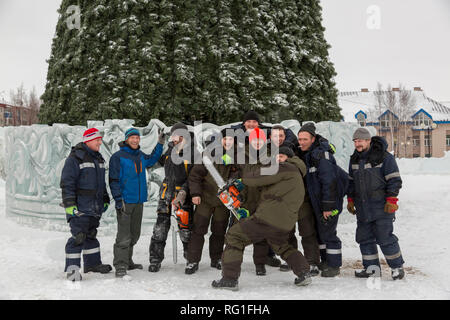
(19, 96)
(34, 103)
(406, 108)
(389, 101)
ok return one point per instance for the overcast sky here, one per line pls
(387, 41)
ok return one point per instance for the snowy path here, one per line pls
(32, 260)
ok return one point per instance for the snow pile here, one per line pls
(439, 166)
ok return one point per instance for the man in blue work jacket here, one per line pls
(128, 184)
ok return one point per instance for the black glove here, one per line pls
(161, 136)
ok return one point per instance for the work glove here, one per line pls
(334, 213)
(180, 198)
(351, 206)
(71, 210)
(243, 213)
(391, 205)
(119, 204)
(238, 184)
(226, 159)
(105, 206)
(161, 136)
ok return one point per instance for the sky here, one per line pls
(386, 41)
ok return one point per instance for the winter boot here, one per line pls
(285, 267)
(133, 266)
(329, 272)
(228, 284)
(154, 267)
(322, 265)
(303, 279)
(314, 270)
(273, 261)
(191, 268)
(216, 264)
(260, 269)
(74, 275)
(397, 273)
(366, 274)
(121, 272)
(101, 268)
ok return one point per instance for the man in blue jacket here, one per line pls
(85, 198)
(322, 186)
(374, 186)
(128, 183)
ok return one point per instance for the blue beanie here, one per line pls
(131, 132)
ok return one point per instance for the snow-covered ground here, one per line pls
(32, 261)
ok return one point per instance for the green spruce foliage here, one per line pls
(190, 60)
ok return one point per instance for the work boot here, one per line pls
(397, 273)
(154, 267)
(133, 266)
(216, 264)
(322, 265)
(365, 274)
(100, 268)
(191, 268)
(121, 272)
(314, 270)
(228, 284)
(285, 267)
(273, 261)
(74, 275)
(260, 269)
(329, 272)
(303, 279)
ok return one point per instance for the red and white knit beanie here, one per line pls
(91, 134)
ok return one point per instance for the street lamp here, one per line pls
(429, 129)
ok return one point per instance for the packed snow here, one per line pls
(32, 260)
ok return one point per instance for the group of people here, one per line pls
(306, 191)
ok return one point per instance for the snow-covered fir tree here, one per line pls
(190, 60)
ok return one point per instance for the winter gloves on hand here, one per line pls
(391, 205)
(351, 206)
(161, 136)
(71, 210)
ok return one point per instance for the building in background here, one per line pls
(14, 115)
(413, 124)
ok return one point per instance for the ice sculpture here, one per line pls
(32, 158)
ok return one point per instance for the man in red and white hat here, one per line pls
(85, 198)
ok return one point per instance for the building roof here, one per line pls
(352, 102)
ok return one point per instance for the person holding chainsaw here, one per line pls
(209, 209)
(128, 184)
(174, 194)
(281, 196)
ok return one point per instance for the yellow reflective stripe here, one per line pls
(186, 166)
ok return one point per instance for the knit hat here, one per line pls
(91, 134)
(310, 128)
(227, 132)
(178, 125)
(258, 134)
(361, 134)
(251, 115)
(131, 132)
(286, 151)
(279, 127)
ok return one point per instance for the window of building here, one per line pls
(427, 141)
(447, 141)
(422, 118)
(415, 155)
(361, 119)
(416, 141)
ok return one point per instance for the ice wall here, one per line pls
(33, 156)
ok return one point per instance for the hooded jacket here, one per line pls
(374, 176)
(281, 194)
(83, 181)
(127, 174)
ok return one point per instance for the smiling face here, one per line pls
(134, 141)
(361, 145)
(227, 143)
(305, 140)
(277, 136)
(250, 125)
(94, 145)
(281, 157)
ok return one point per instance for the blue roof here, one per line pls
(421, 110)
